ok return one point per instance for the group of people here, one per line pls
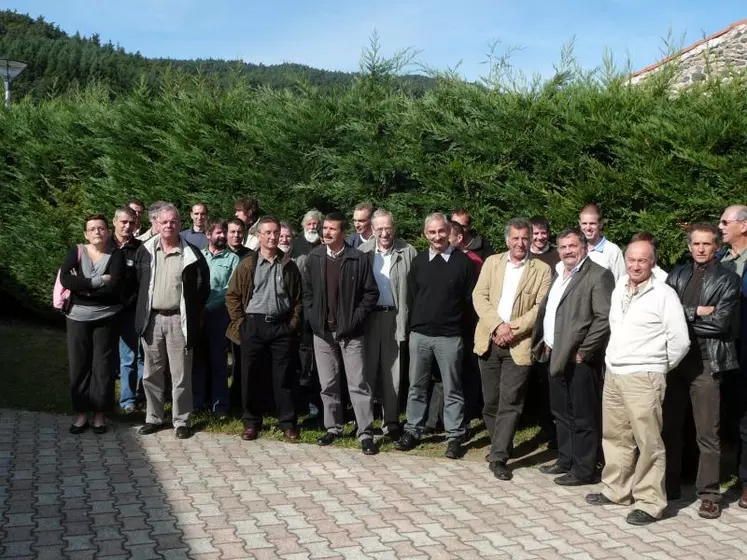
(623, 347)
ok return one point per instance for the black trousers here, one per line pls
(575, 401)
(692, 381)
(310, 388)
(260, 339)
(93, 359)
(504, 386)
(743, 428)
(234, 396)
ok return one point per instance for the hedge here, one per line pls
(654, 161)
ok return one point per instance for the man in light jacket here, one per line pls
(507, 297)
(648, 338)
(386, 326)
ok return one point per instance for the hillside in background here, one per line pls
(56, 61)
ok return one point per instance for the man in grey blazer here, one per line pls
(571, 333)
(386, 326)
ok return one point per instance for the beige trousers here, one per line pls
(632, 417)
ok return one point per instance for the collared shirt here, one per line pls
(446, 254)
(557, 290)
(382, 270)
(634, 292)
(739, 260)
(607, 254)
(197, 238)
(222, 265)
(167, 281)
(333, 255)
(269, 296)
(511, 279)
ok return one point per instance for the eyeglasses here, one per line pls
(96, 228)
(727, 222)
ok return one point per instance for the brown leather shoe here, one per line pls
(709, 509)
(743, 500)
(292, 435)
(250, 434)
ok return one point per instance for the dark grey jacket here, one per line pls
(582, 321)
(721, 289)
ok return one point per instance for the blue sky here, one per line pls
(331, 33)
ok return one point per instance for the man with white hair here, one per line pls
(386, 327)
(174, 285)
(153, 230)
(648, 339)
(441, 283)
(733, 227)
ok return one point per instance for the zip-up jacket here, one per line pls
(195, 288)
(357, 294)
(721, 289)
(129, 281)
(241, 288)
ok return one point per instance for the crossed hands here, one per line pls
(504, 335)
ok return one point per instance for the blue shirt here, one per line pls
(221, 266)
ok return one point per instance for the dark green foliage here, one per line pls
(652, 160)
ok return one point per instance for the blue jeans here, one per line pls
(211, 366)
(447, 352)
(131, 359)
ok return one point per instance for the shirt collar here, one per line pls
(560, 269)
(542, 252)
(261, 258)
(640, 288)
(599, 247)
(337, 254)
(521, 263)
(176, 250)
(383, 253)
(433, 253)
(222, 253)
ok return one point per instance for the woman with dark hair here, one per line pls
(93, 272)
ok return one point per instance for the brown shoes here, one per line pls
(250, 434)
(709, 509)
(291, 435)
(743, 500)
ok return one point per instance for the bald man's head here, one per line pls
(640, 259)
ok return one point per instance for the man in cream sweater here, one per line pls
(648, 338)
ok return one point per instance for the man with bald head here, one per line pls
(648, 338)
(441, 283)
(733, 226)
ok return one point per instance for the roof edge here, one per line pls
(695, 45)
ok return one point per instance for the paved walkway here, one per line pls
(125, 496)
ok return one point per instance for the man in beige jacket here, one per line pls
(506, 297)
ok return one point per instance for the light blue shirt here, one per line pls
(222, 266)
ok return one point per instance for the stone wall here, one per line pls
(713, 57)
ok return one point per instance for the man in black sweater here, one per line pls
(441, 283)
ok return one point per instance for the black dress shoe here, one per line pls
(406, 442)
(77, 430)
(369, 447)
(598, 500)
(638, 517)
(99, 430)
(569, 479)
(555, 468)
(453, 449)
(326, 439)
(500, 470)
(148, 429)
(183, 432)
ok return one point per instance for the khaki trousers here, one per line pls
(632, 417)
(164, 343)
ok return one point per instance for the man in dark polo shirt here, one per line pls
(264, 305)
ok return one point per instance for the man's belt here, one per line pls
(269, 318)
(385, 308)
(166, 312)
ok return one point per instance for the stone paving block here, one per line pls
(48, 552)
(79, 542)
(16, 549)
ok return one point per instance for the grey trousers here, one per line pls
(447, 351)
(330, 356)
(382, 362)
(164, 340)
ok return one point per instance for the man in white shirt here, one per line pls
(507, 297)
(601, 250)
(648, 338)
(386, 326)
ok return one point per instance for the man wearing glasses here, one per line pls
(733, 227)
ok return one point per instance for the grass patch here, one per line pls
(35, 377)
